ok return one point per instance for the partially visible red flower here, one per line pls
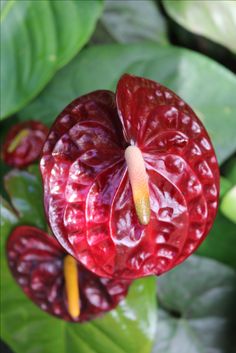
(23, 143)
(36, 261)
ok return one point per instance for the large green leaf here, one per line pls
(205, 85)
(197, 302)
(213, 19)
(37, 38)
(26, 329)
(130, 21)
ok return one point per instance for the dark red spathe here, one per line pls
(29, 148)
(36, 262)
(88, 197)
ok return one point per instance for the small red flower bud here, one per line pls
(23, 143)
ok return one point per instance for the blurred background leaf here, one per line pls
(213, 19)
(38, 38)
(228, 201)
(229, 170)
(26, 328)
(129, 21)
(182, 70)
(197, 308)
(228, 204)
(220, 244)
(225, 185)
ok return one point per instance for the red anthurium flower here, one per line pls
(131, 180)
(55, 281)
(23, 143)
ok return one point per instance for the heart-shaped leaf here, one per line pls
(25, 328)
(190, 75)
(37, 38)
(215, 20)
(130, 21)
(197, 314)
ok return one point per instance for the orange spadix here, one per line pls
(72, 286)
(139, 183)
(17, 140)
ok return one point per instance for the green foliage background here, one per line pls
(54, 51)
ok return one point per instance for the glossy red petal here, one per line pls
(36, 262)
(28, 148)
(88, 197)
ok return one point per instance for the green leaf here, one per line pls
(220, 244)
(228, 205)
(8, 218)
(230, 170)
(26, 328)
(213, 19)
(131, 21)
(197, 308)
(37, 38)
(225, 185)
(25, 191)
(191, 75)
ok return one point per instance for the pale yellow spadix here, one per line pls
(72, 286)
(139, 183)
(17, 140)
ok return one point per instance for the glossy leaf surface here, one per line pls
(38, 38)
(25, 190)
(88, 198)
(179, 69)
(215, 20)
(200, 316)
